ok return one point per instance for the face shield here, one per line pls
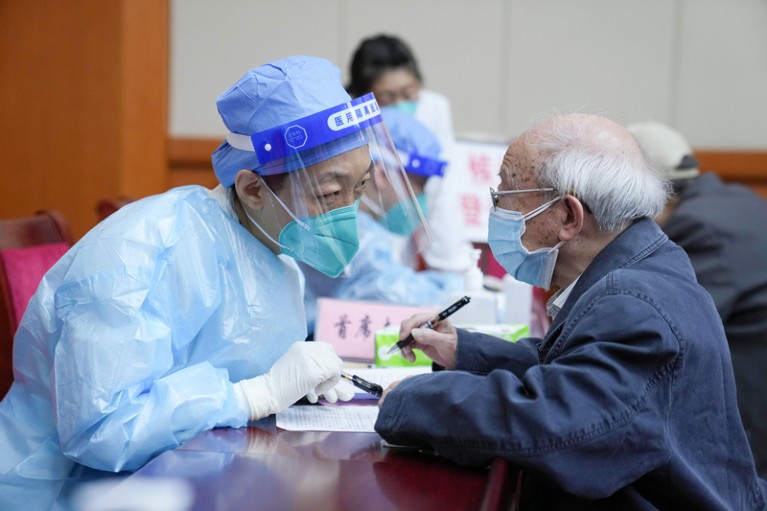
(422, 172)
(397, 216)
(314, 173)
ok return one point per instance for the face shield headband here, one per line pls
(292, 146)
(423, 165)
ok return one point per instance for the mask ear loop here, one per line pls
(372, 205)
(540, 209)
(253, 221)
(543, 207)
(300, 223)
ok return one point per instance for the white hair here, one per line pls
(600, 163)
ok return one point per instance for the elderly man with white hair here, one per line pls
(628, 402)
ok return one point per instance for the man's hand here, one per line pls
(439, 343)
(386, 391)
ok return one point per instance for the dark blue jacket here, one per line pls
(627, 403)
(721, 227)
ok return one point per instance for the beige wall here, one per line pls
(700, 65)
(84, 85)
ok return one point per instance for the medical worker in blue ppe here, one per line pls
(420, 154)
(181, 312)
(386, 66)
(391, 238)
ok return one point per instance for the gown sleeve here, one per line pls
(128, 311)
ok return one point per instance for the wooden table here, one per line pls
(263, 467)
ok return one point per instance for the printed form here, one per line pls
(356, 418)
(352, 418)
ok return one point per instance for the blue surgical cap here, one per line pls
(275, 95)
(418, 146)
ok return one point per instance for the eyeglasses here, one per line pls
(496, 196)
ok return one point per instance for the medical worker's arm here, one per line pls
(306, 368)
(131, 375)
(130, 309)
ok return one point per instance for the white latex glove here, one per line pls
(306, 367)
(336, 393)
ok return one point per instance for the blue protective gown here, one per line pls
(376, 273)
(133, 340)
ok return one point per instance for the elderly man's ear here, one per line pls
(250, 189)
(573, 218)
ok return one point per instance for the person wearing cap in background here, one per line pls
(390, 237)
(178, 314)
(721, 227)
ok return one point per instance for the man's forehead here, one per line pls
(517, 166)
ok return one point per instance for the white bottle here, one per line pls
(518, 298)
(482, 309)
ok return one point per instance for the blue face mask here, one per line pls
(406, 106)
(326, 242)
(504, 236)
(396, 218)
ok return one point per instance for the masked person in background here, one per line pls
(419, 153)
(392, 231)
(385, 66)
(629, 400)
(181, 312)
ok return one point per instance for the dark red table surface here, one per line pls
(263, 467)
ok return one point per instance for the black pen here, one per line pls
(429, 324)
(369, 387)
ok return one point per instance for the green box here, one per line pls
(388, 337)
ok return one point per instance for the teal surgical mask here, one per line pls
(406, 106)
(397, 220)
(326, 242)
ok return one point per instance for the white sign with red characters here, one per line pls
(473, 169)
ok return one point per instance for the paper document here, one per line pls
(356, 418)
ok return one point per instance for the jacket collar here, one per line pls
(637, 241)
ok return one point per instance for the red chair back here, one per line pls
(29, 246)
(106, 207)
